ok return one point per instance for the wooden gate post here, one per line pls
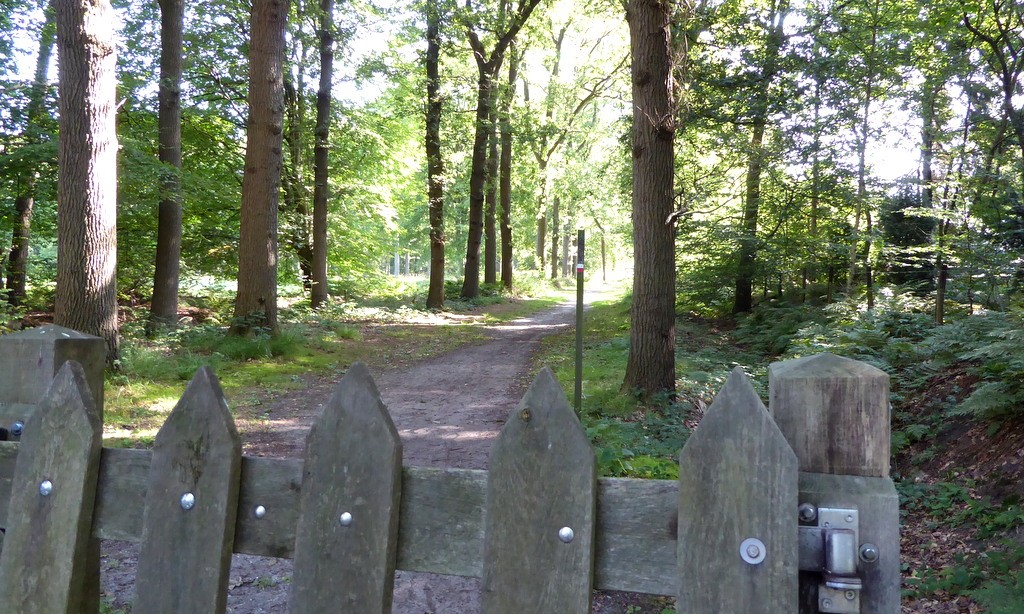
(29, 360)
(737, 543)
(835, 414)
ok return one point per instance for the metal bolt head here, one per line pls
(188, 501)
(17, 428)
(345, 519)
(259, 512)
(45, 488)
(850, 595)
(849, 518)
(807, 512)
(826, 603)
(525, 415)
(869, 553)
(753, 551)
(566, 534)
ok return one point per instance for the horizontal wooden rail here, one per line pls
(442, 516)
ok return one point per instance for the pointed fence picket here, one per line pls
(539, 528)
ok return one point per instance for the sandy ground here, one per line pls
(448, 411)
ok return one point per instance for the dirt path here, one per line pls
(448, 411)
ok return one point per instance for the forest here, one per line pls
(775, 177)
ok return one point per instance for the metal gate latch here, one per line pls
(829, 539)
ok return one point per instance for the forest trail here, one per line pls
(448, 410)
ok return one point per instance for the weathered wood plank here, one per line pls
(45, 566)
(834, 412)
(738, 493)
(442, 526)
(541, 499)
(30, 359)
(637, 522)
(191, 503)
(274, 485)
(635, 525)
(347, 532)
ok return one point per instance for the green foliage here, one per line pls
(1003, 593)
(769, 328)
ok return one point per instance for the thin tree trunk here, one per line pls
(296, 207)
(164, 309)
(505, 172)
(488, 66)
(477, 185)
(321, 156)
(24, 202)
(86, 297)
(862, 206)
(435, 161)
(556, 205)
(491, 202)
(256, 301)
(650, 367)
(744, 300)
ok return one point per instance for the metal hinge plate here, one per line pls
(829, 547)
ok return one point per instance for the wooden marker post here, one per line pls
(578, 394)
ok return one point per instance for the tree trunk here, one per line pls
(488, 66)
(928, 130)
(164, 308)
(24, 202)
(296, 208)
(86, 297)
(491, 202)
(556, 223)
(744, 300)
(565, 251)
(321, 156)
(435, 161)
(477, 181)
(505, 172)
(256, 301)
(862, 204)
(650, 367)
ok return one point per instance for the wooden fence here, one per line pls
(788, 511)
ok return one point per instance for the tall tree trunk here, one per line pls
(24, 202)
(542, 218)
(650, 367)
(477, 185)
(862, 206)
(774, 39)
(296, 207)
(435, 162)
(491, 202)
(256, 301)
(488, 65)
(164, 309)
(505, 172)
(556, 225)
(744, 301)
(321, 155)
(928, 129)
(86, 298)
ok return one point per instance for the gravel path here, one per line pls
(448, 411)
